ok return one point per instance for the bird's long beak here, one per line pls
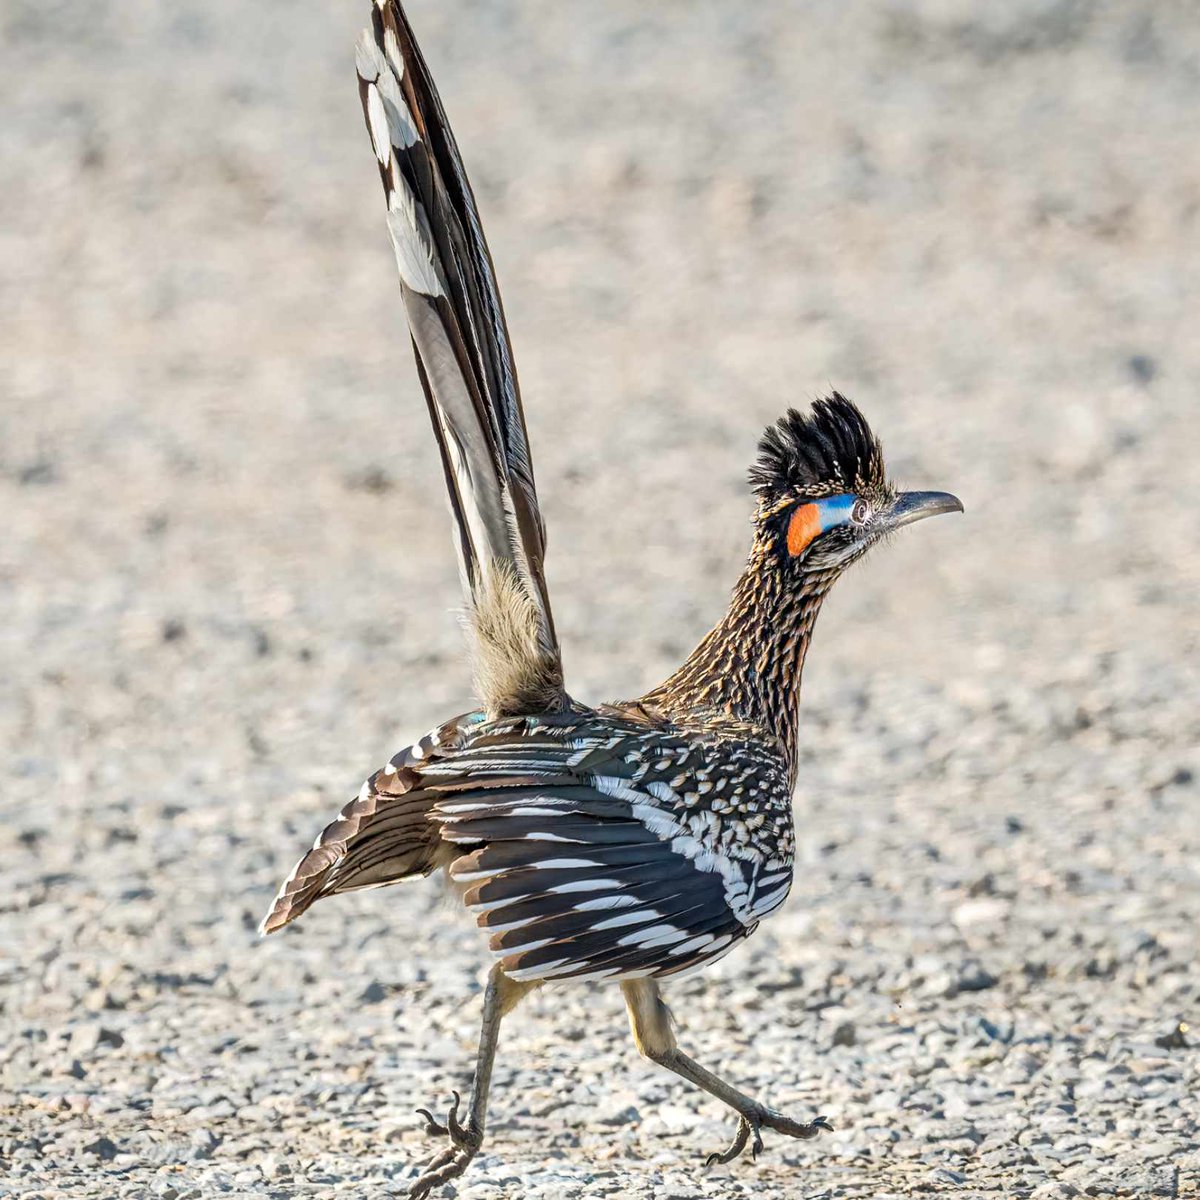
(916, 506)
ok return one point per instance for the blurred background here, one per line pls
(227, 586)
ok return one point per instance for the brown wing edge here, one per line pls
(384, 835)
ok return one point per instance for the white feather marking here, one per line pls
(532, 810)
(562, 864)
(769, 880)
(522, 947)
(409, 228)
(402, 129)
(706, 960)
(657, 821)
(561, 966)
(584, 885)
(633, 918)
(765, 902)
(663, 791)
(510, 925)
(460, 835)
(602, 902)
(660, 823)
(552, 837)
(541, 972)
(392, 49)
(696, 943)
(656, 935)
(367, 60)
(593, 975)
(614, 785)
(473, 876)
(377, 122)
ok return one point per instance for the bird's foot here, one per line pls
(465, 1141)
(749, 1130)
(463, 1136)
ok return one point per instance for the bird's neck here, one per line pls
(749, 665)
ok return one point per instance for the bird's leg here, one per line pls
(501, 997)
(651, 1021)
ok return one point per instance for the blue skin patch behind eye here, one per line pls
(835, 510)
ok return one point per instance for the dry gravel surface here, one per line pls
(226, 585)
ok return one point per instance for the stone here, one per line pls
(845, 1034)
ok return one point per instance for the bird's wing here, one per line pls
(464, 361)
(581, 861)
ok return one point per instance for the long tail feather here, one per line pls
(465, 364)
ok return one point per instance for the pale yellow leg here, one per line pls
(501, 997)
(651, 1022)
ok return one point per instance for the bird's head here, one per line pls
(824, 497)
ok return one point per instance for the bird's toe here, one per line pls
(448, 1165)
(796, 1129)
(462, 1136)
(747, 1126)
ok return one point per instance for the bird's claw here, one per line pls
(460, 1135)
(749, 1130)
(465, 1140)
(433, 1127)
(747, 1126)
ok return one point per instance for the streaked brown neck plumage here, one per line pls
(749, 665)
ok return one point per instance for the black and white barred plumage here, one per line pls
(586, 844)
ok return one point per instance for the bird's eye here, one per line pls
(860, 512)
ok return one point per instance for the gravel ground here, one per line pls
(225, 582)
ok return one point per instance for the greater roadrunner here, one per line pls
(628, 842)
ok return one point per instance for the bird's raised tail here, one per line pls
(465, 364)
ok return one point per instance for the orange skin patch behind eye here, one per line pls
(802, 528)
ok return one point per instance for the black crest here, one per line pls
(829, 450)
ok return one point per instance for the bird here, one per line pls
(630, 842)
